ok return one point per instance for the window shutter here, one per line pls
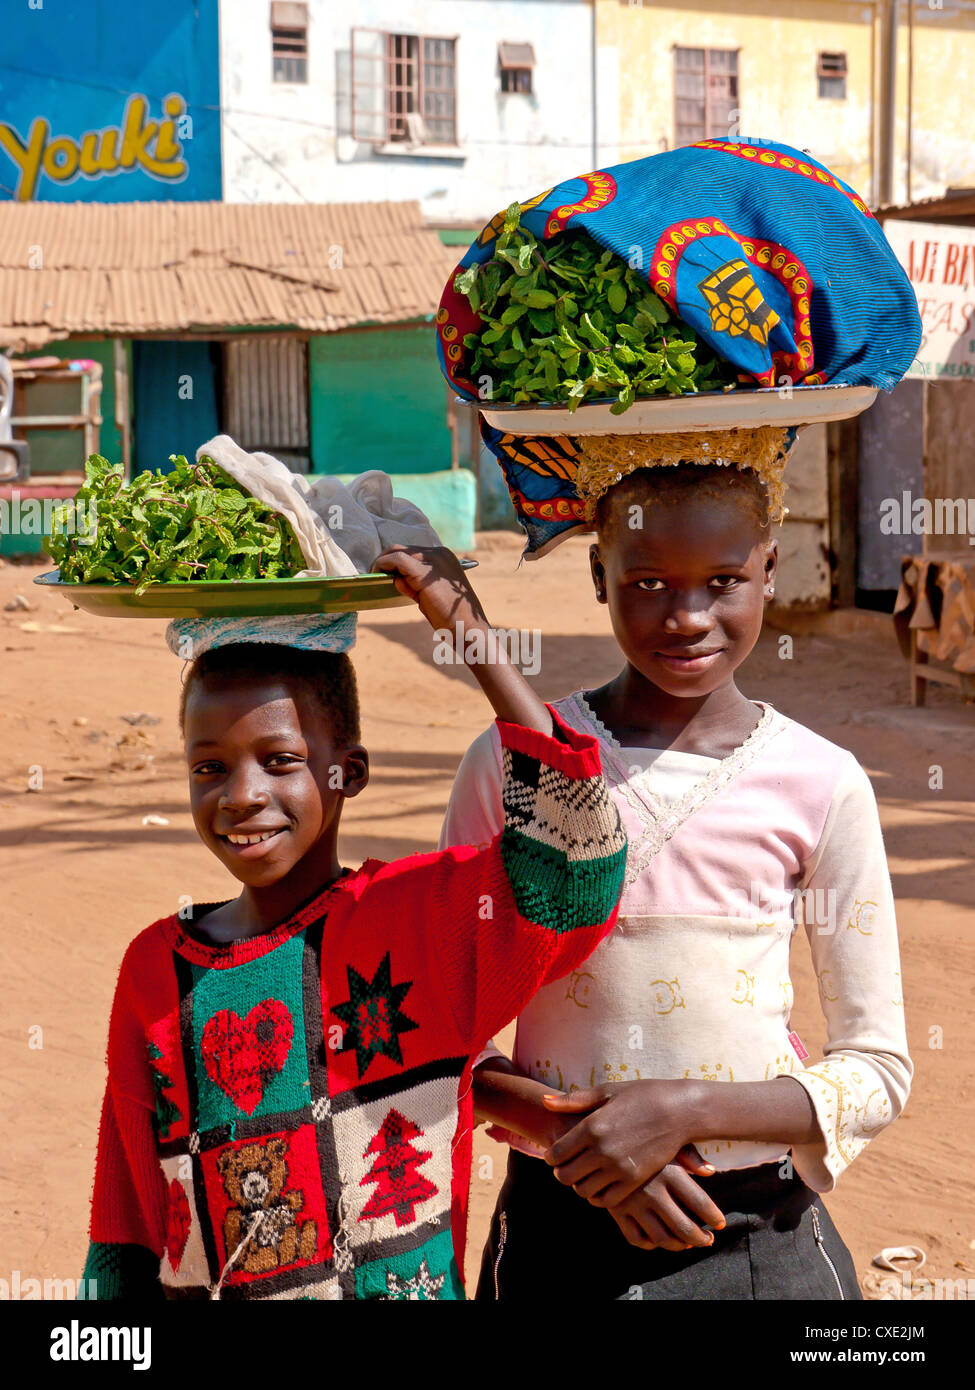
(369, 85)
(288, 16)
(516, 55)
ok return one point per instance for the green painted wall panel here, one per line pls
(378, 400)
(457, 236)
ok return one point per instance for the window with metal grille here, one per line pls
(516, 62)
(831, 75)
(289, 42)
(705, 93)
(403, 88)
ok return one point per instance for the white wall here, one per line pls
(291, 142)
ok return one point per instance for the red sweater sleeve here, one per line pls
(129, 1203)
(534, 904)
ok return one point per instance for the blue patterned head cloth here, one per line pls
(318, 632)
(776, 263)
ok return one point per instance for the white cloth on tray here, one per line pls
(340, 528)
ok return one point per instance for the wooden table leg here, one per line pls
(918, 682)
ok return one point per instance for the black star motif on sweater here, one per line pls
(372, 1016)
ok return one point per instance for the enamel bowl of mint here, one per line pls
(744, 409)
(233, 598)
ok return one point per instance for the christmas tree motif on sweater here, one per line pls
(167, 1113)
(372, 1016)
(400, 1186)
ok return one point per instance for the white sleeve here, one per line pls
(863, 1081)
(475, 812)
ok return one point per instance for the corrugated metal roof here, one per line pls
(134, 268)
(956, 204)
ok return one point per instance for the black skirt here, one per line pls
(779, 1243)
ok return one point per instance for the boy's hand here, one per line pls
(660, 1215)
(633, 1129)
(433, 578)
(511, 1102)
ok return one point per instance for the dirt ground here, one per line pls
(83, 873)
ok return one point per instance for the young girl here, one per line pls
(285, 1068)
(741, 823)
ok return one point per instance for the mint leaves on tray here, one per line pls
(564, 321)
(193, 523)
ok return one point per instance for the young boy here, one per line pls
(287, 1111)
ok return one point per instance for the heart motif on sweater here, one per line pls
(178, 1224)
(242, 1054)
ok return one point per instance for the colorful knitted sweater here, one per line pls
(288, 1116)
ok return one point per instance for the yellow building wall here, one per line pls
(778, 45)
(943, 123)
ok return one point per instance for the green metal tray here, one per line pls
(233, 598)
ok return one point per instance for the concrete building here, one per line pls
(875, 89)
(464, 105)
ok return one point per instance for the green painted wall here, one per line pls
(378, 400)
(457, 236)
(62, 451)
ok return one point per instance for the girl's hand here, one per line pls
(633, 1130)
(659, 1214)
(433, 578)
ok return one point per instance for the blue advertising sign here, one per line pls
(106, 101)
